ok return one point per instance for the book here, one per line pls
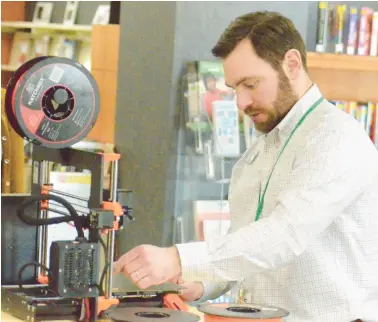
(344, 29)
(332, 28)
(192, 91)
(322, 27)
(364, 32)
(41, 45)
(339, 28)
(21, 50)
(370, 119)
(352, 31)
(374, 35)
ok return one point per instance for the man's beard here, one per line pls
(286, 98)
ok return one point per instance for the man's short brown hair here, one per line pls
(270, 33)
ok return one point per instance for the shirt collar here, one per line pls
(293, 116)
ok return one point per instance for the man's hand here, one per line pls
(192, 292)
(148, 265)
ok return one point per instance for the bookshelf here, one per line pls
(342, 62)
(69, 31)
(12, 26)
(8, 68)
(13, 23)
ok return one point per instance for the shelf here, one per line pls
(8, 68)
(342, 62)
(12, 26)
(199, 126)
(345, 77)
(80, 32)
(206, 127)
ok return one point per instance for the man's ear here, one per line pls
(292, 63)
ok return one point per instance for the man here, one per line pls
(303, 199)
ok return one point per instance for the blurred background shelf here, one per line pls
(11, 26)
(72, 32)
(345, 77)
(342, 62)
(8, 68)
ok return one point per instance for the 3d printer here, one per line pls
(54, 102)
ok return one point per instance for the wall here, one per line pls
(85, 13)
(144, 121)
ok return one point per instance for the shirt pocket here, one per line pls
(244, 189)
(242, 167)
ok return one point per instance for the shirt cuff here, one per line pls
(194, 259)
(213, 290)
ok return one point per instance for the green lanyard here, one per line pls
(262, 197)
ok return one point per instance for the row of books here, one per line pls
(346, 29)
(26, 46)
(365, 113)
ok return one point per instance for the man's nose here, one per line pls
(243, 101)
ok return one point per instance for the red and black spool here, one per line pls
(52, 101)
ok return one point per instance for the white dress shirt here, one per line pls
(314, 250)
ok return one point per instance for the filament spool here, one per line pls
(52, 101)
(226, 312)
(149, 314)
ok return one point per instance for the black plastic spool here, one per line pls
(9, 93)
(63, 107)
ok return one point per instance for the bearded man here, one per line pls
(303, 199)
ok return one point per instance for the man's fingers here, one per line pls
(145, 283)
(180, 281)
(139, 274)
(144, 278)
(130, 255)
(144, 266)
(117, 268)
(133, 266)
(125, 260)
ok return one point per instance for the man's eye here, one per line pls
(251, 86)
